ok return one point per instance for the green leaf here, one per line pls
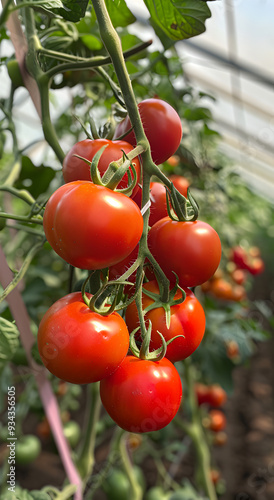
(68, 9)
(91, 42)
(179, 19)
(119, 13)
(9, 341)
(35, 179)
(196, 114)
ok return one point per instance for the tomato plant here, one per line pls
(75, 169)
(162, 127)
(195, 248)
(142, 395)
(186, 319)
(78, 345)
(83, 239)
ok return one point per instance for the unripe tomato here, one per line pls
(192, 250)
(186, 319)
(27, 449)
(78, 345)
(142, 395)
(90, 226)
(162, 126)
(75, 169)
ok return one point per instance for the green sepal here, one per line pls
(180, 208)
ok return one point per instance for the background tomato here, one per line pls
(162, 126)
(142, 395)
(78, 345)
(90, 226)
(187, 319)
(27, 449)
(217, 420)
(75, 169)
(181, 183)
(190, 249)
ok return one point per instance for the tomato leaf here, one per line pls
(119, 13)
(9, 341)
(179, 19)
(68, 9)
(35, 179)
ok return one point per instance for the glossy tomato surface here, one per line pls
(187, 319)
(142, 395)
(190, 249)
(162, 126)
(90, 226)
(78, 345)
(75, 169)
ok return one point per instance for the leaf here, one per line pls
(35, 179)
(68, 9)
(9, 341)
(119, 13)
(91, 42)
(179, 19)
(196, 114)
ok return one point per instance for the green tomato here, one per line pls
(117, 486)
(157, 493)
(15, 73)
(27, 449)
(72, 432)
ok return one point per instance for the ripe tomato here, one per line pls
(158, 208)
(190, 249)
(201, 391)
(78, 345)
(222, 289)
(142, 395)
(216, 395)
(75, 169)
(217, 420)
(162, 126)
(90, 226)
(187, 318)
(239, 276)
(232, 349)
(256, 266)
(181, 183)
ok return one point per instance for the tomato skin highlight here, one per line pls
(190, 249)
(142, 395)
(162, 126)
(78, 345)
(75, 169)
(90, 226)
(187, 319)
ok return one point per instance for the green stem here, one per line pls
(196, 433)
(22, 194)
(43, 82)
(86, 457)
(21, 218)
(21, 273)
(136, 490)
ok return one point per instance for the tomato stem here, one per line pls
(136, 490)
(86, 459)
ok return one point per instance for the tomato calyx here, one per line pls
(143, 352)
(158, 302)
(180, 208)
(115, 171)
(107, 290)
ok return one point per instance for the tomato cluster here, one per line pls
(93, 227)
(248, 259)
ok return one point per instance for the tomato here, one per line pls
(187, 319)
(158, 208)
(142, 395)
(201, 391)
(90, 226)
(180, 183)
(215, 475)
(117, 485)
(190, 249)
(72, 432)
(256, 266)
(239, 256)
(232, 349)
(220, 438)
(216, 395)
(162, 126)
(27, 449)
(222, 289)
(173, 161)
(239, 276)
(75, 169)
(217, 420)
(78, 345)
(15, 73)
(157, 493)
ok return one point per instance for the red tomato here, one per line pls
(90, 226)
(190, 249)
(216, 395)
(78, 345)
(201, 391)
(217, 420)
(256, 266)
(187, 318)
(162, 126)
(75, 169)
(181, 183)
(142, 395)
(239, 276)
(158, 208)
